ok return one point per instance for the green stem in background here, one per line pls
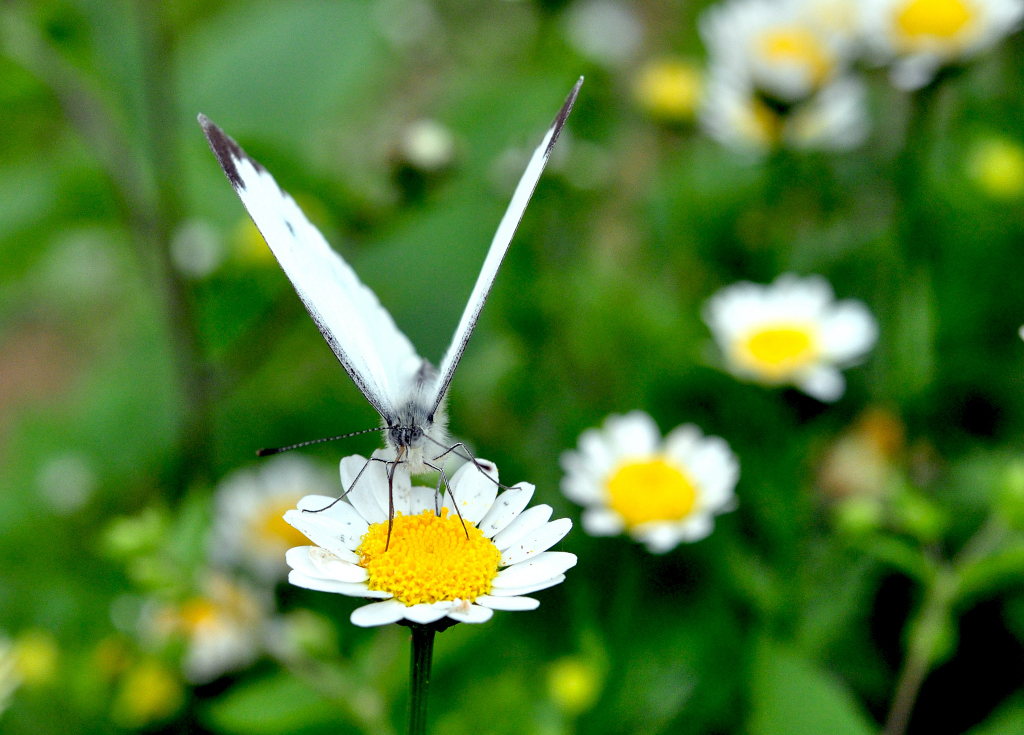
(929, 632)
(162, 144)
(146, 185)
(419, 677)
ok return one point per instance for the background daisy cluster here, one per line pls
(786, 72)
(862, 526)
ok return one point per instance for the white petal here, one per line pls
(913, 72)
(508, 603)
(339, 512)
(696, 527)
(474, 614)
(632, 435)
(323, 532)
(536, 542)
(527, 589)
(473, 491)
(331, 567)
(583, 488)
(425, 613)
(715, 470)
(824, 383)
(506, 508)
(663, 536)
(298, 559)
(378, 613)
(528, 521)
(329, 585)
(682, 443)
(421, 499)
(533, 570)
(594, 452)
(659, 538)
(602, 522)
(848, 332)
(363, 495)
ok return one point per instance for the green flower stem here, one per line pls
(419, 677)
(928, 632)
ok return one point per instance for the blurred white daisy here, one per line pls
(427, 145)
(605, 31)
(249, 530)
(791, 332)
(783, 46)
(921, 36)
(223, 627)
(432, 567)
(660, 492)
(737, 115)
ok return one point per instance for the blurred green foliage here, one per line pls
(148, 346)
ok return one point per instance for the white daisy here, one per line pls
(791, 332)
(433, 566)
(780, 45)
(736, 115)
(660, 492)
(921, 36)
(223, 627)
(248, 528)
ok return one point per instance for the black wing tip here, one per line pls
(227, 151)
(563, 114)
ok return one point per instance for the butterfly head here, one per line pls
(405, 435)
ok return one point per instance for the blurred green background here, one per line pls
(149, 344)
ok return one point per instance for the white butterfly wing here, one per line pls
(378, 357)
(499, 246)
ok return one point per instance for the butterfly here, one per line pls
(405, 389)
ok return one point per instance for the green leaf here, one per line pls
(1007, 720)
(900, 554)
(988, 574)
(793, 696)
(245, 70)
(272, 706)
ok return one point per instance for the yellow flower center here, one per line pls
(198, 613)
(429, 559)
(670, 90)
(651, 490)
(779, 350)
(269, 527)
(935, 18)
(797, 46)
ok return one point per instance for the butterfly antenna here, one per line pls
(278, 450)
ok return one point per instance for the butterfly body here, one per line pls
(406, 390)
(419, 433)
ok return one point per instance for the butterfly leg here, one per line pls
(391, 494)
(437, 495)
(448, 489)
(350, 487)
(468, 456)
